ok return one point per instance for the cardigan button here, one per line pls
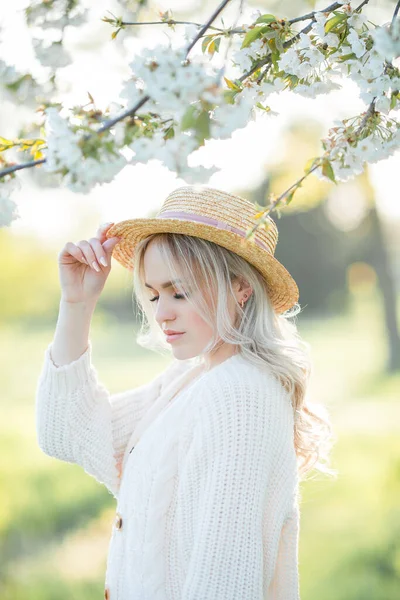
(118, 521)
(107, 593)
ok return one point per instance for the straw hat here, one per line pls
(221, 218)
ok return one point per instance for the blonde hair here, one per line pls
(262, 335)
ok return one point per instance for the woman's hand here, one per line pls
(84, 267)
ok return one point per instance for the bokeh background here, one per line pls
(341, 244)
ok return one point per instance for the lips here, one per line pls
(174, 336)
(172, 332)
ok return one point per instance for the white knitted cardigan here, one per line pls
(207, 501)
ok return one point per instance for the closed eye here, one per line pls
(177, 296)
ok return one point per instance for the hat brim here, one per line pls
(282, 288)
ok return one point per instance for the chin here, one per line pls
(184, 353)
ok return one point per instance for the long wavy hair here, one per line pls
(262, 335)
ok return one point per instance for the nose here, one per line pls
(164, 312)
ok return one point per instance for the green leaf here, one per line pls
(205, 42)
(211, 48)
(266, 108)
(203, 126)
(169, 133)
(229, 96)
(346, 56)
(393, 101)
(5, 142)
(189, 118)
(331, 23)
(217, 42)
(266, 19)
(252, 35)
(328, 171)
(309, 164)
(231, 85)
(290, 196)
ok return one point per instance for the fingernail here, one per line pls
(95, 266)
(103, 261)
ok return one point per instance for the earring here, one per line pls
(242, 302)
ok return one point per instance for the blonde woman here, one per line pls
(205, 460)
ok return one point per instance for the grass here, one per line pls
(55, 520)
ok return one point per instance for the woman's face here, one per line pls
(173, 310)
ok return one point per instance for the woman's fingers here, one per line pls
(94, 253)
(76, 252)
(102, 230)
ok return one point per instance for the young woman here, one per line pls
(204, 461)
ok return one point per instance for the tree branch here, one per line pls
(267, 59)
(169, 22)
(396, 12)
(272, 206)
(215, 14)
(312, 14)
(130, 112)
(13, 168)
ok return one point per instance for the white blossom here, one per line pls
(387, 41)
(190, 32)
(64, 152)
(316, 88)
(172, 83)
(244, 57)
(8, 208)
(199, 174)
(357, 44)
(90, 172)
(227, 118)
(357, 20)
(62, 142)
(146, 148)
(348, 160)
(175, 151)
(53, 55)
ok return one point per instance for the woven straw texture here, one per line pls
(231, 211)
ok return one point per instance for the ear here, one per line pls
(242, 287)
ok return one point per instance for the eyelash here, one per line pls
(177, 296)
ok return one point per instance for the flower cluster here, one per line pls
(8, 208)
(348, 149)
(18, 86)
(172, 104)
(84, 161)
(170, 80)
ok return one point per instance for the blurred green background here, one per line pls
(342, 247)
(56, 521)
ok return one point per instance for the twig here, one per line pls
(370, 111)
(215, 14)
(14, 168)
(173, 22)
(267, 59)
(169, 22)
(130, 112)
(312, 14)
(368, 114)
(396, 12)
(272, 206)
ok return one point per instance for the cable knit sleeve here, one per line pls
(236, 490)
(78, 421)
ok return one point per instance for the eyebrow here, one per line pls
(164, 285)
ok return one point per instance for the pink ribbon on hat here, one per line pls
(209, 221)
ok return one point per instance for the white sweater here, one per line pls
(207, 502)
